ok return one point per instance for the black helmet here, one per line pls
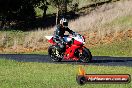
(64, 22)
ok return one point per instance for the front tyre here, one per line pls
(54, 54)
(86, 55)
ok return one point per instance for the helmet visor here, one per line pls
(65, 24)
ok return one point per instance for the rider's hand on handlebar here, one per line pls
(74, 34)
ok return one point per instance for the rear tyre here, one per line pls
(86, 55)
(54, 54)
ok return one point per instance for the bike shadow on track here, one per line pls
(97, 60)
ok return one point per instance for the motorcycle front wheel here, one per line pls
(86, 55)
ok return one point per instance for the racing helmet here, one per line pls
(64, 22)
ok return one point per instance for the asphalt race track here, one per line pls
(97, 60)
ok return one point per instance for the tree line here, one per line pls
(14, 11)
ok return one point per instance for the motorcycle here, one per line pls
(75, 49)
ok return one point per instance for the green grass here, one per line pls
(39, 12)
(52, 9)
(83, 3)
(125, 20)
(43, 75)
(121, 22)
(119, 48)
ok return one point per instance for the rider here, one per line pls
(59, 33)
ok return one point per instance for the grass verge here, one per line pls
(43, 75)
(119, 48)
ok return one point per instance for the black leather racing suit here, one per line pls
(59, 34)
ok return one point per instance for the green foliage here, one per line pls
(15, 11)
(18, 9)
(61, 5)
(57, 3)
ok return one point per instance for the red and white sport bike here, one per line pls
(75, 49)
